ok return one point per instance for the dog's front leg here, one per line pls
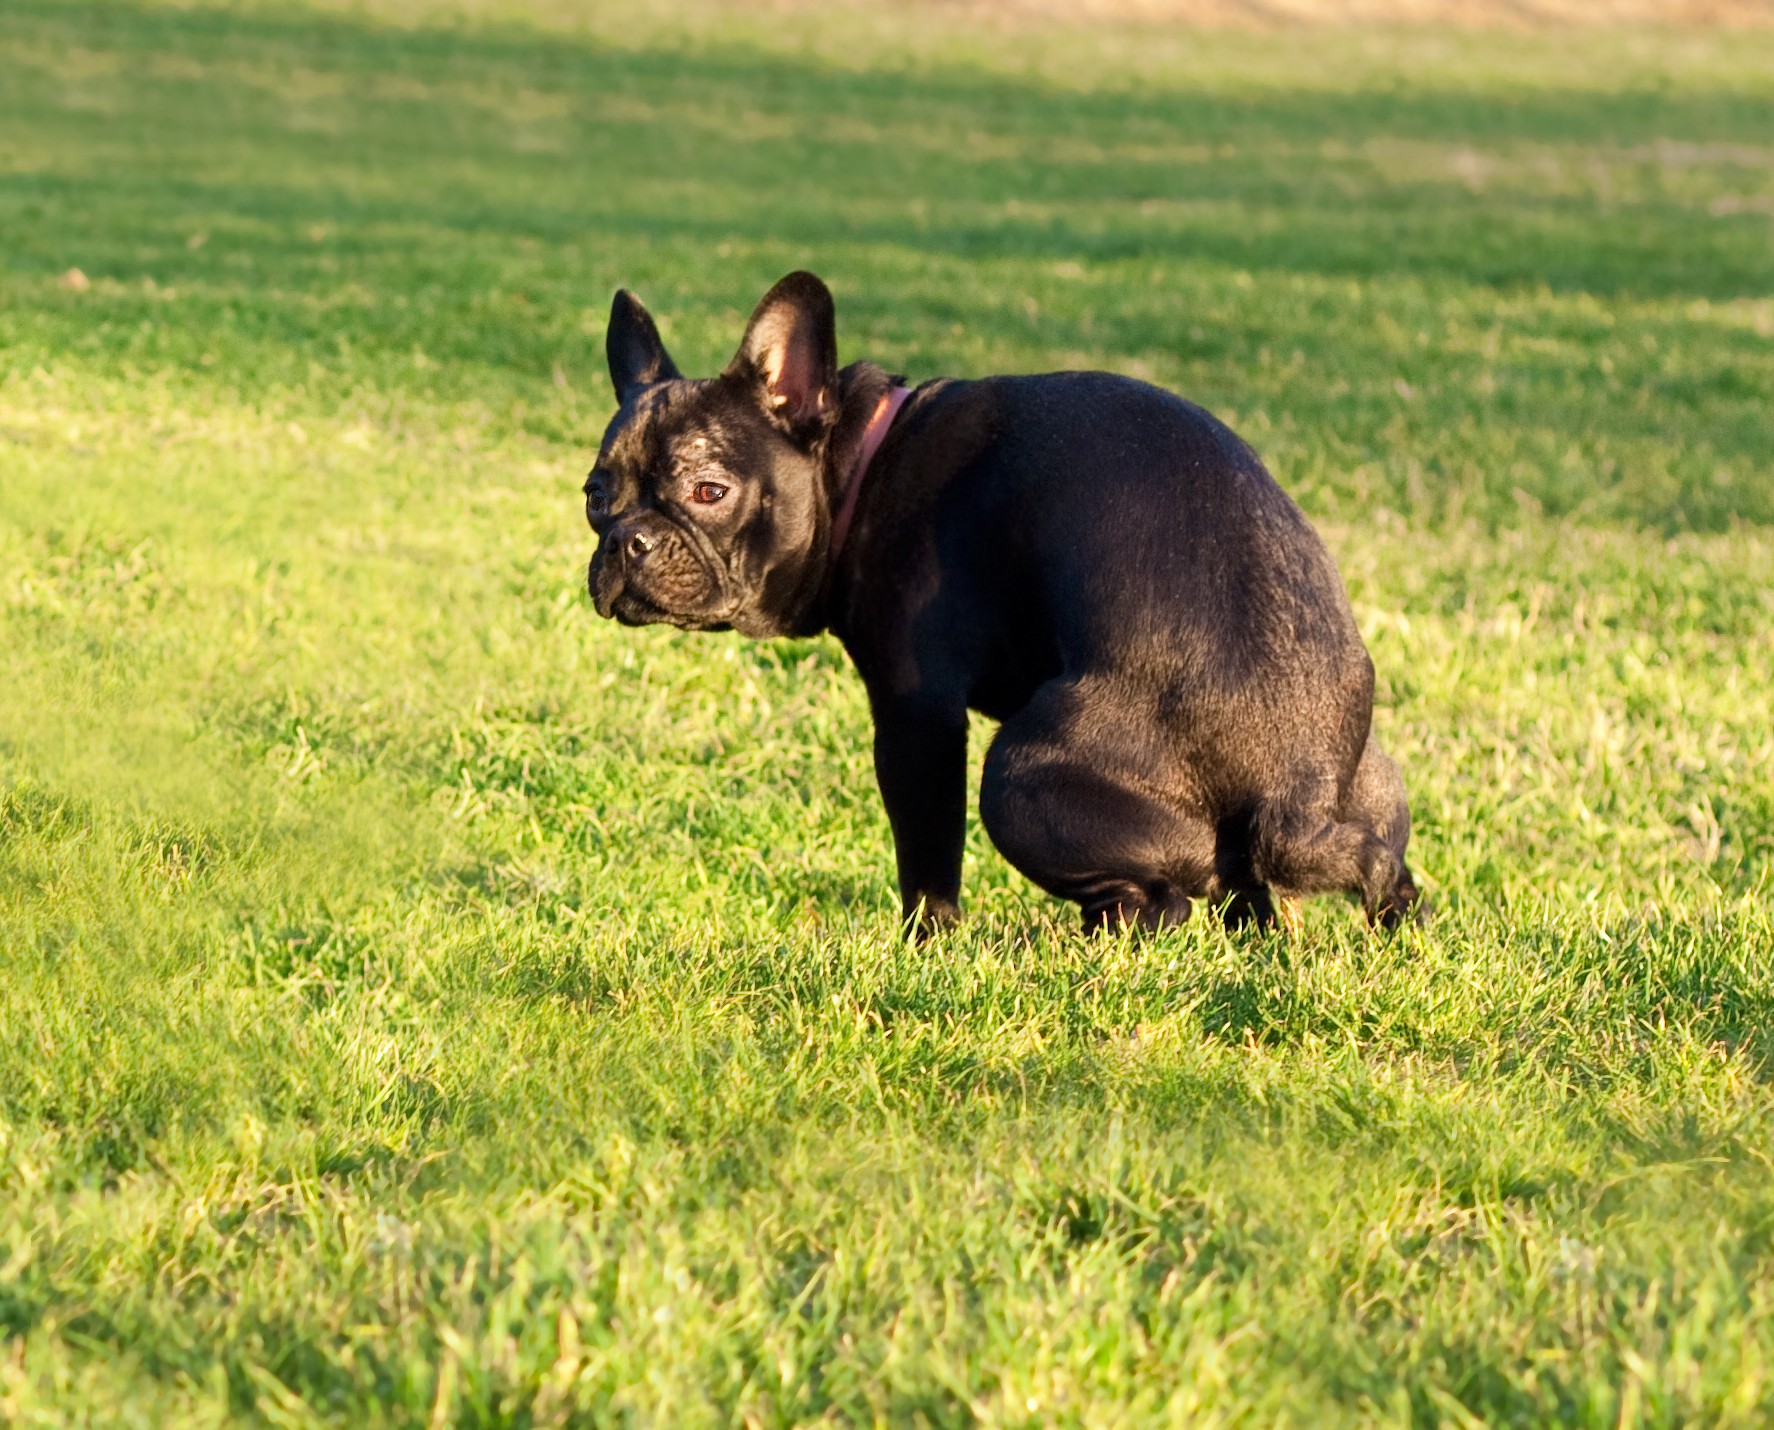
(921, 763)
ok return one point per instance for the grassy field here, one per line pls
(423, 1004)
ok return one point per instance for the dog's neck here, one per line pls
(866, 408)
(886, 409)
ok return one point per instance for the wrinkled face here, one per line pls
(709, 497)
(706, 513)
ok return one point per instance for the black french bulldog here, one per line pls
(1094, 562)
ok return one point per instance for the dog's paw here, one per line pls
(929, 917)
(1406, 906)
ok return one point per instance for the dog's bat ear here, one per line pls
(790, 351)
(637, 357)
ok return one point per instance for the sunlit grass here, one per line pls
(422, 1003)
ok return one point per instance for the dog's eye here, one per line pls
(707, 493)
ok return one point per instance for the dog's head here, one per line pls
(710, 498)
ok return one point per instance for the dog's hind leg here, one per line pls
(1246, 902)
(1069, 796)
(1377, 799)
(1310, 843)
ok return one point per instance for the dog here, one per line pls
(1103, 568)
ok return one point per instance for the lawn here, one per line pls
(424, 1004)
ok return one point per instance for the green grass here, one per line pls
(424, 1004)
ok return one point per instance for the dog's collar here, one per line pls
(873, 435)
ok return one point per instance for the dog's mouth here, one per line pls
(619, 599)
(630, 608)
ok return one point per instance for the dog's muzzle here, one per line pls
(649, 569)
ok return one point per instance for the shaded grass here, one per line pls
(423, 1004)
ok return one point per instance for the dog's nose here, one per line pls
(639, 545)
